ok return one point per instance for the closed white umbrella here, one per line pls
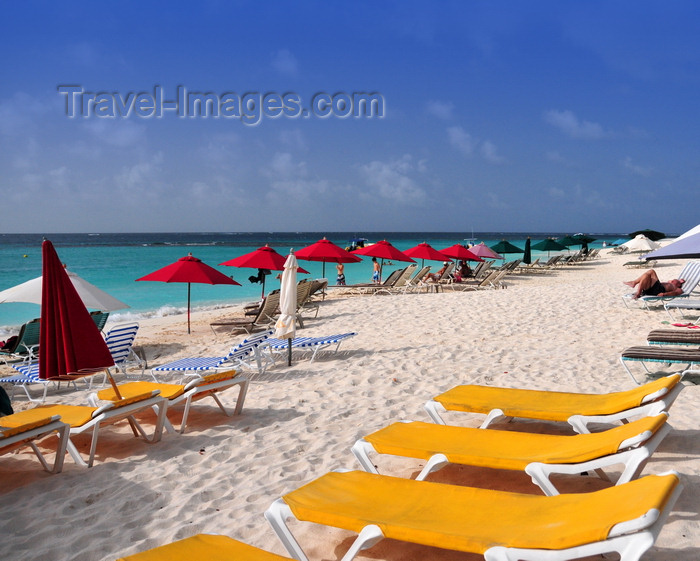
(91, 296)
(286, 328)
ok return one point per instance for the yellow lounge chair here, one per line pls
(539, 455)
(499, 525)
(28, 432)
(195, 390)
(577, 409)
(82, 418)
(205, 546)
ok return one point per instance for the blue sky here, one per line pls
(498, 116)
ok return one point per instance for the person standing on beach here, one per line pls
(376, 273)
(340, 279)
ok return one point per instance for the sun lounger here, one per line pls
(194, 390)
(26, 434)
(28, 375)
(120, 342)
(683, 305)
(263, 317)
(82, 418)
(205, 546)
(539, 455)
(674, 337)
(314, 344)
(577, 409)
(501, 526)
(238, 355)
(690, 273)
(26, 346)
(666, 354)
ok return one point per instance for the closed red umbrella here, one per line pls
(69, 341)
(383, 250)
(262, 258)
(189, 269)
(424, 251)
(326, 251)
(459, 251)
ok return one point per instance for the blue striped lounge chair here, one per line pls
(238, 355)
(313, 344)
(120, 342)
(28, 375)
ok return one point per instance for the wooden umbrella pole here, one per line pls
(118, 394)
(188, 307)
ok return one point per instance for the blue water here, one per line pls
(113, 262)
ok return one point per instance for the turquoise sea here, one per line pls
(113, 262)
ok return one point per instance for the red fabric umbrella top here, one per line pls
(458, 251)
(262, 258)
(482, 250)
(189, 269)
(383, 250)
(426, 251)
(326, 250)
(69, 340)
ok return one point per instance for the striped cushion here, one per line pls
(678, 336)
(661, 354)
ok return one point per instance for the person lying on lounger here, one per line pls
(648, 284)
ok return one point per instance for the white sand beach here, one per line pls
(558, 331)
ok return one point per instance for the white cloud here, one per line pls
(117, 133)
(441, 109)
(556, 193)
(462, 140)
(392, 180)
(489, 153)
(567, 122)
(636, 169)
(285, 63)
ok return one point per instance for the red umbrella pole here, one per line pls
(188, 307)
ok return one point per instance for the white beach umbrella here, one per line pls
(91, 296)
(641, 243)
(285, 328)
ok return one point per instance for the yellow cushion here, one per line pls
(133, 389)
(205, 546)
(218, 377)
(470, 519)
(12, 431)
(547, 405)
(503, 449)
(74, 415)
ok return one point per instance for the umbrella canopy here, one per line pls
(504, 246)
(653, 235)
(383, 250)
(548, 245)
(482, 250)
(459, 251)
(69, 340)
(286, 328)
(189, 269)
(687, 247)
(640, 243)
(527, 252)
(326, 251)
(424, 251)
(91, 296)
(264, 258)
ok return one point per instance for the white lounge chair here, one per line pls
(690, 274)
(539, 455)
(238, 355)
(27, 433)
(501, 526)
(82, 418)
(209, 385)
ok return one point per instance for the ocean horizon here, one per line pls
(113, 262)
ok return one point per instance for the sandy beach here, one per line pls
(563, 330)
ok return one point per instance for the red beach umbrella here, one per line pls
(70, 342)
(383, 250)
(482, 250)
(424, 251)
(326, 251)
(189, 269)
(459, 251)
(262, 258)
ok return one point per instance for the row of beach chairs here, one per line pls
(624, 518)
